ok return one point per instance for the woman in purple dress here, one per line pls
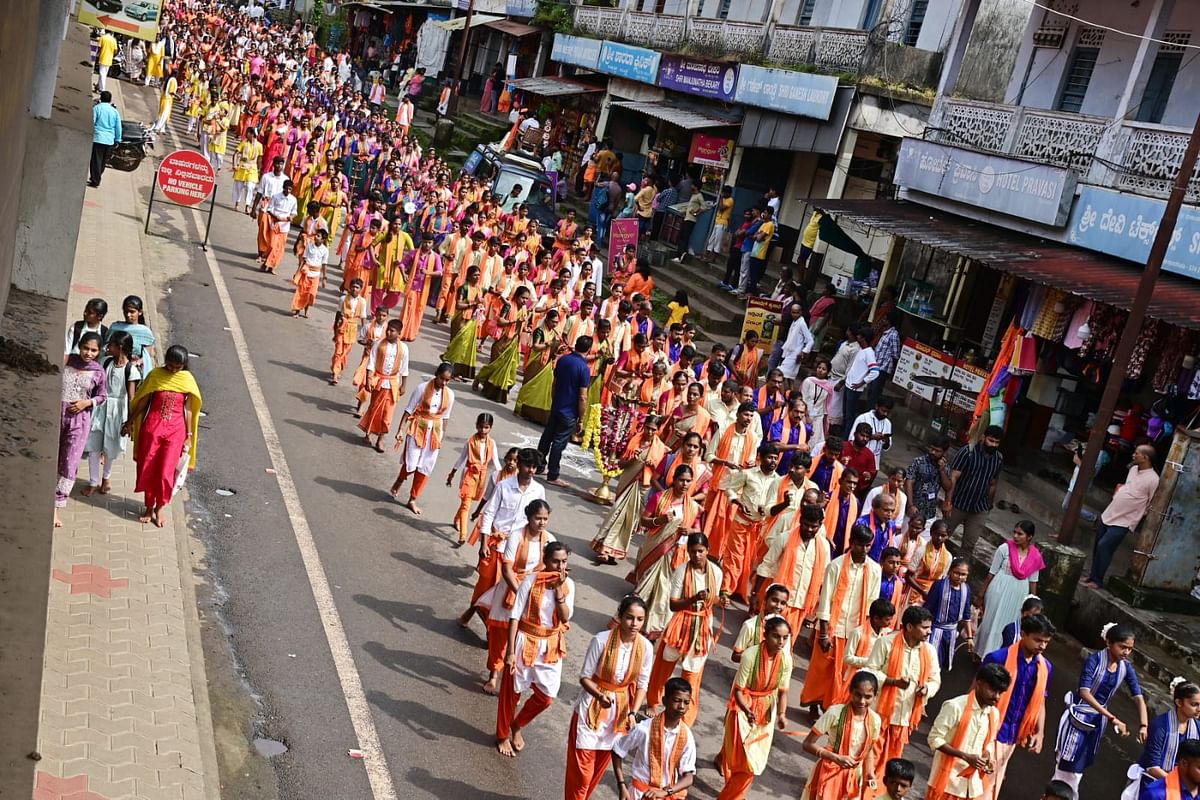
(84, 388)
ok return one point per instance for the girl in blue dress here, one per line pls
(1086, 716)
(1167, 732)
(949, 600)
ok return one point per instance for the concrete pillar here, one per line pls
(1057, 582)
(891, 265)
(1139, 70)
(50, 31)
(837, 183)
(957, 47)
(602, 117)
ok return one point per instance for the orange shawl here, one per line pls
(1037, 700)
(891, 694)
(623, 690)
(938, 781)
(480, 454)
(787, 568)
(531, 625)
(425, 423)
(662, 778)
(832, 508)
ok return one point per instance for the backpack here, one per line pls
(109, 361)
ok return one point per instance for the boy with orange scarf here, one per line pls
(731, 451)
(386, 380)
(797, 557)
(661, 750)
(1022, 707)
(479, 457)
(757, 706)
(753, 500)
(421, 430)
(851, 584)
(907, 668)
(346, 322)
(963, 738)
(537, 644)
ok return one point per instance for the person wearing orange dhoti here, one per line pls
(346, 323)
(456, 252)
(963, 738)
(757, 706)
(310, 276)
(278, 211)
(359, 221)
(688, 638)
(732, 451)
(313, 222)
(520, 554)
(615, 673)
(564, 232)
(420, 266)
(477, 460)
(846, 768)
(386, 380)
(537, 644)
(851, 584)
(420, 432)
(661, 752)
(503, 503)
(797, 557)
(752, 500)
(907, 668)
(359, 263)
(370, 337)
(269, 185)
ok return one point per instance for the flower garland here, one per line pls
(606, 432)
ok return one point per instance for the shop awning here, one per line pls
(458, 23)
(513, 28)
(775, 131)
(1083, 272)
(554, 86)
(686, 118)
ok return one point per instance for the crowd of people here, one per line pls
(741, 483)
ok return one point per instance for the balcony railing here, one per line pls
(842, 49)
(1132, 156)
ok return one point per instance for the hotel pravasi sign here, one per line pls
(1031, 191)
(917, 360)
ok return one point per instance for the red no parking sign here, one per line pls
(186, 177)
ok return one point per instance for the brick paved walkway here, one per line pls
(120, 713)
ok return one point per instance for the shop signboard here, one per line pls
(762, 317)
(626, 61)
(578, 50)
(710, 151)
(520, 8)
(137, 18)
(622, 232)
(802, 93)
(920, 360)
(711, 79)
(1124, 225)
(1033, 192)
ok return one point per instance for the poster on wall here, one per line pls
(762, 317)
(138, 18)
(710, 151)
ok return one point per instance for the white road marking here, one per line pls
(574, 459)
(378, 773)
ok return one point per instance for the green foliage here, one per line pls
(553, 17)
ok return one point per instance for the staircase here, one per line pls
(716, 311)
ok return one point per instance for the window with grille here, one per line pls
(723, 9)
(1079, 75)
(806, 12)
(913, 32)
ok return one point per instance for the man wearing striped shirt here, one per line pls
(974, 476)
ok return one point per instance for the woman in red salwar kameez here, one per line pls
(164, 422)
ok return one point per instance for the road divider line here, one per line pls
(373, 759)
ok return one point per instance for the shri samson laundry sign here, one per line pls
(1035, 192)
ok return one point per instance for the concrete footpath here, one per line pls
(124, 703)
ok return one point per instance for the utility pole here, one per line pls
(1129, 336)
(462, 46)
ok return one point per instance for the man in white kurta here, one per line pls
(421, 428)
(917, 679)
(978, 740)
(635, 747)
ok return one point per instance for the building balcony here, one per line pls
(1129, 156)
(835, 49)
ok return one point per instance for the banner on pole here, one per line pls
(762, 317)
(622, 232)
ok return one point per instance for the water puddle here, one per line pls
(269, 748)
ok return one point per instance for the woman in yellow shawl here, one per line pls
(164, 421)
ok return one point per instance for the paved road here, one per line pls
(396, 581)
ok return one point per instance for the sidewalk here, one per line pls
(124, 705)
